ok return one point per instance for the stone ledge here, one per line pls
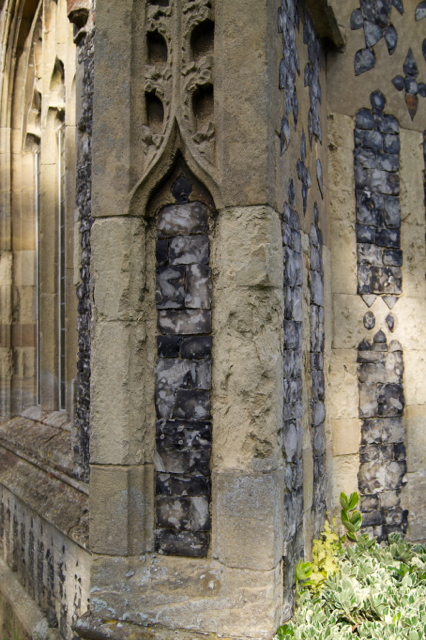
(90, 627)
(63, 506)
(24, 609)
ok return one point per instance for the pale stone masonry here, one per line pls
(212, 303)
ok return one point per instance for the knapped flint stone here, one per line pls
(387, 124)
(373, 33)
(392, 211)
(293, 440)
(174, 373)
(284, 133)
(395, 346)
(368, 403)
(292, 390)
(399, 452)
(422, 89)
(421, 11)
(390, 499)
(387, 162)
(173, 513)
(410, 66)
(369, 503)
(380, 347)
(364, 119)
(162, 252)
(200, 516)
(390, 322)
(369, 319)
(293, 411)
(186, 461)
(198, 287)
(390, 399)
(391, 37)
(192, 404)
(372, 431)
(369, 208)
(315, 259)
(395, 472)
(399, 83)
(379, 337)
(372, 518)
(371, 478)
(180, 434)
(318, 413)
(286, 235)
(398, 4)
(179, 485)
(169, 461)
(369, 254)
(390, 238)
(318, 385)
(412, 103)
(168, 346)
(372, 373)
(382, 181)
(424, 48)
(183, 219)
(292, 334)
(376, 11)
(181, 189)
(378, 101)
(379, 280)
(288, 358)
(366, 158)
(291, 191)
(394, 516)
(196, 347)
(170, 291)
(296, 241)
(319, 440)
(165, 402)
(394, 366)
(293, 268)
(203, 375)
(356, 20)
(183, 543)
(364, 61)
(391, 143)
(184, 321)
(317, 288)
(319, 178)
(368, 139)
(189, 250)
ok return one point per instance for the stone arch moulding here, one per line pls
(175, 147)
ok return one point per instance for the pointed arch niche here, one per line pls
(182, 217)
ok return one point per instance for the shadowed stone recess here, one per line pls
(292, 437)
(318, 414)
(183, 378)
(378, 209)
(383, 464)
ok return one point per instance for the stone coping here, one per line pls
(60, 504)
(25, 611)
(91, 627)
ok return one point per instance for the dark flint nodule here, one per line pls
(181, 190)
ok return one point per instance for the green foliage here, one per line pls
(351, 518)
(378, 592)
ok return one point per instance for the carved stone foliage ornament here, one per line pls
(178, 78)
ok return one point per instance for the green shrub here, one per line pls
(377, 592)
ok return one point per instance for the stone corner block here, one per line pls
(121, 509)
(249, 519)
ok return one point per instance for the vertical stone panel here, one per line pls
(380, 366)
(183, 377)
(318, 415)
(293, 402)
(81, 435)
(382, 453)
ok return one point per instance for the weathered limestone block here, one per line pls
(121, 496)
